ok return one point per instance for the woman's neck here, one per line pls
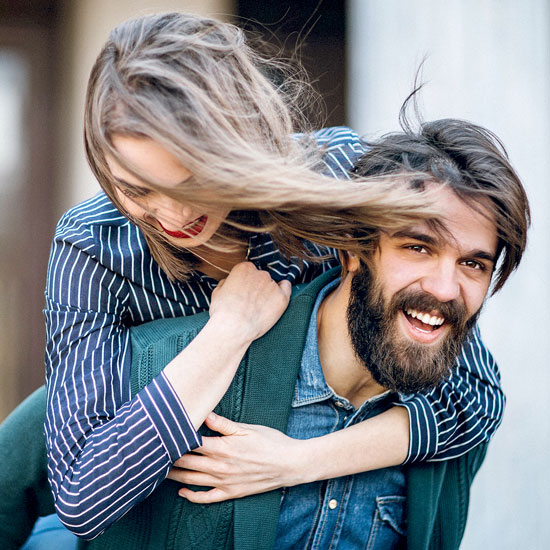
(217, 264)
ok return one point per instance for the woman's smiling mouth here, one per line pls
(192, 229)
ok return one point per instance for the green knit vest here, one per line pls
(261, 393)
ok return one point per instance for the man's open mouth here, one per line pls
(423, 321)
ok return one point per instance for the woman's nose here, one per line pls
(172, 213)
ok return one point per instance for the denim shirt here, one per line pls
(362, 511)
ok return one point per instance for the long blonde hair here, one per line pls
(194, 86)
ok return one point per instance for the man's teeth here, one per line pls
(425, 317)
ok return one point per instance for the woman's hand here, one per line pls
(249, 300)
(246, 460)
(244, 307)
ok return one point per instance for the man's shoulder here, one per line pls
(187, 327)
(164, 338)
(155, 343)
(158, 332)
(312, 289)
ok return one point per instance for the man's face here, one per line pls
(409, 315)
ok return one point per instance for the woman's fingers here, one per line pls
(190, 477)
(250, 299)
(204, 497)
(221, 424)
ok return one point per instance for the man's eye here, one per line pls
(417, 248)
(474, 264)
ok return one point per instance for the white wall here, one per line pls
(489, 62)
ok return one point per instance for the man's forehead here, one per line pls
(469, 227)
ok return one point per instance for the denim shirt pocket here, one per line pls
(389, 526)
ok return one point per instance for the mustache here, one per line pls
(453, 312)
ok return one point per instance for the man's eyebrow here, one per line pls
(415, 235)
(431, 240)
(483, 255)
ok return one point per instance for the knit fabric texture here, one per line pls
(24, 490)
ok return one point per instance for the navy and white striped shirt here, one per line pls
(106, 451)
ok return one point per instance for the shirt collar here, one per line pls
(311, 385)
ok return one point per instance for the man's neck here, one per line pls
(343, 371)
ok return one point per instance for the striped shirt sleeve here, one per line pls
(461, 412)
(106, 451)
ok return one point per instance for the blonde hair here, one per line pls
(194, 86)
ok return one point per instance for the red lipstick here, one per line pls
(192, 229)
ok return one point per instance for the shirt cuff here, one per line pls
(169, 418)
(423, 428)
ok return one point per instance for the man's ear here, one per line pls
(352, 262)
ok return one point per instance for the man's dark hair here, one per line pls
(473, 162)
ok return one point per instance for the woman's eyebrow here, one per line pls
(133, 187)
(137, 190)
(124, 183)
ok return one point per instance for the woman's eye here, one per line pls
(131, 194)
(128, 193)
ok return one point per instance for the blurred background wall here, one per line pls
(487, 61)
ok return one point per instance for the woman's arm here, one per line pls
(244, 307)
(252, 459)
(437, 425)
(107, 451)
(459, 413)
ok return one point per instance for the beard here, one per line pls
(395, 362)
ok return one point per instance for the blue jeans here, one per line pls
(50, 534)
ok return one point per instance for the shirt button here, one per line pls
(332, 504)
(339, 404)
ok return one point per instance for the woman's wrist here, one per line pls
(379, 442)
(225, 330)
(304, 461)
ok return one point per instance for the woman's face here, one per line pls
(185, 225)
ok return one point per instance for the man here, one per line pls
(416, 292)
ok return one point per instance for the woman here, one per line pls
(191, 145)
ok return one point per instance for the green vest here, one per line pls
(261, 393)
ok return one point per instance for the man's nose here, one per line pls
(442, 282)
